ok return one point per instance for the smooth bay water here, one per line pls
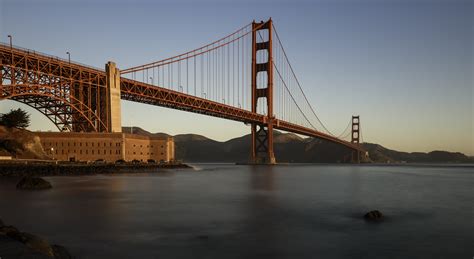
(228, 211)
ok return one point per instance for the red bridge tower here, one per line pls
(262, 134)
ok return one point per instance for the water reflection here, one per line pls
(263, 214)
(262, 178)
(354, 186)
(224, 211)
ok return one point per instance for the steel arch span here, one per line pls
(63, 110)
(72, 97)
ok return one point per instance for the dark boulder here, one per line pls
(11, 232)
(38, 244)
(33, 183)
(60, 252)
(33, 242)
(30, 246)
(374, 215)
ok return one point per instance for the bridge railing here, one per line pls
(34, 52)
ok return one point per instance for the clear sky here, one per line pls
(404, 66)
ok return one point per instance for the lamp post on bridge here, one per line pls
(11, 41)
(151, 78)
(180, 88)
(68, 57)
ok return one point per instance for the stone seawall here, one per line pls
(42, 169)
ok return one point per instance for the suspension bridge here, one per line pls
(245, 76)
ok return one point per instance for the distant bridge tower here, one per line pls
(355, 137)
(355, 129)
(262, 134)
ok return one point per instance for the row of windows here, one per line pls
(141, 153)
(117, 152)
(117, 144)
(146, 146)
(104, 144)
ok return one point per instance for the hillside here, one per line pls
(288, 147)
(140, 131)
(293, 148)
(20, 143)
(382, 154)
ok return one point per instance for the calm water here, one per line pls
(226, 211)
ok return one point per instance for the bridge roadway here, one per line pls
(43, 65)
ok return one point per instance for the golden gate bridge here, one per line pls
(245, 76)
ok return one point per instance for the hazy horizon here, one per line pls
(406, 67)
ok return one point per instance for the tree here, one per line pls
(15, 119)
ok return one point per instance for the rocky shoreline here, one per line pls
(70, 169)
(17, 244)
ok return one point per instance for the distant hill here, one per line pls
(140, 131)
(381, 154)
(288, 147)
(292, 148)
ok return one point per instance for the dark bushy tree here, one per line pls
(15, 119)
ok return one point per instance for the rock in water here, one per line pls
(374, 215)
(12, 232)
(33, 183)
(60, 252)
(31, 246)
(38, 244)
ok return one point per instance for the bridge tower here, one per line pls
(355, 137)
(262, 134)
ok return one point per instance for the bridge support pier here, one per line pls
(114, 116)
(262, 144)
(355, 157)
(262, 134)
